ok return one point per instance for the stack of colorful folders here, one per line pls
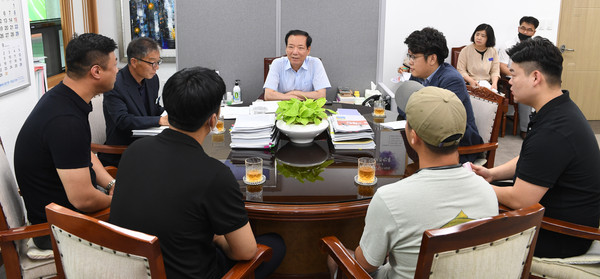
(348, 129)
(254, 131)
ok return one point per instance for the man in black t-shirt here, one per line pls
(559, 159)
(169, 187)
(53, 159)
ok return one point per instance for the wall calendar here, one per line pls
(14, 72)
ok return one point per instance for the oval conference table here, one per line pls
(310, 191)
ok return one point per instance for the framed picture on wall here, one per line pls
(148, 18)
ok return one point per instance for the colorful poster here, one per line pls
(150, 18)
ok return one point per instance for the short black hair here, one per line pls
(299, 33)
(489, 33)
(428, 41)
(191, 96)
(539, 54)
(85, 51)
(139, 47)
(531, 20)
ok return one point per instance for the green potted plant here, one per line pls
(302, 121)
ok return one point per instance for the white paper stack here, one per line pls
(350, 130)
(233, 112)
(152, 131)
(269, 106)
(254, 131)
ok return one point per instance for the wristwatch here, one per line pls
(110, 185)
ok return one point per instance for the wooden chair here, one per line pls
(454, 55)
(497, 247)
(584, 266)
(267, 64)
(488, 110)
(504, 87)
(98, 129)
(84, 245)
(14, 233)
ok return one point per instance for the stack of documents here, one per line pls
(350, 130)
(264, 106)
(257, 107)
(152, 131)
(254, 131)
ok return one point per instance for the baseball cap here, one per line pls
(437, 116)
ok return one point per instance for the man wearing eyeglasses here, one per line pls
(133, 103)
(296, 75)
(427, 49)
(527, 26)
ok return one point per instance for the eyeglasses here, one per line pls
(525, 29)
(153, 64)
(412, 57)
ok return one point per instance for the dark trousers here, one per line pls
(272, 240)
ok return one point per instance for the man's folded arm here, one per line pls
(80, 191)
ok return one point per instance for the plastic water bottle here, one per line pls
(237, 92)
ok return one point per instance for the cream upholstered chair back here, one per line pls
(12, 216)
(488, 108)
(96, 119)
(484, 111)
(496, 247)
(98, 129)
(503, 258)
(85, 247)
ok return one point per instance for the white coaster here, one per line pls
(363, 183)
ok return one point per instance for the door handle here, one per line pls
(564, 48)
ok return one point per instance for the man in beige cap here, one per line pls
(442, 193)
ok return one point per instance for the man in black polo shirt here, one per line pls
(559, 160)
(169, 187)
(53, 159)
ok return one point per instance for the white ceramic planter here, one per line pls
(299, 133)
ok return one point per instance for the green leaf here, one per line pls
(292, 110)
(321, 102)
(295, 111)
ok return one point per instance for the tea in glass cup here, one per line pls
(379, 108)
(366, 170)
(220, 128)
(254, 169)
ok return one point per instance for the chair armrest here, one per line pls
(332, 246)
(477, 148)
(101, 214)
(111, 170)
(109, 149)
(564, 227)
(25, 232)
(43, 229)
(245, 269)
